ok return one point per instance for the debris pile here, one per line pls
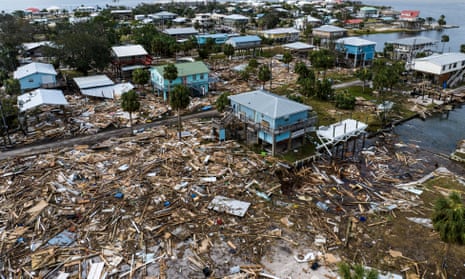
(86, 116)
(151, 205)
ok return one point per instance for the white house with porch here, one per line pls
(445, 69)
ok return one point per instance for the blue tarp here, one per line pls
(65, 238)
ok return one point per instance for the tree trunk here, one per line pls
(130, 123)
(179, 124)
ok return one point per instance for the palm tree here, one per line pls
(130, 103)
(287, 58)
(264, 74)
(429, 20)
(228, 50)
(442, 21)
(444, 40)
(140, 76)
(322, 59)
(170, 72)
(449, 218)
(180, 100)
(364, 74)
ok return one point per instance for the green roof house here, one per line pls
(193, 74)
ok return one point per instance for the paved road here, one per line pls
(347, 84)
(92, 139)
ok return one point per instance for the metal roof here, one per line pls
(419, 40)
(129, 50)
(236, 17)
(40, 97)
(93, 81)
(443, 59)
(245, 39)
(164, 13)
(180, 31)
(186, 69)
(355, 41)
(269, 104)
(281, 31)
(329, 28)
(109, 92)
(298, 46)
(33, 68)
(213, 36)
(33, 45)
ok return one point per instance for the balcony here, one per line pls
(302, 124)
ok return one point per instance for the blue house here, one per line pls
(245, 42)
(219, 38)
(35, 75)
(194, 75)
(276, 119)
(357, 51)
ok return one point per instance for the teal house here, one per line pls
(276, 120)
(194, 75)
(356, 51)
(35, 75)
(219, 38)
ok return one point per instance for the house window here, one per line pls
(30, 80)
(455, 65)
(444, 67)
(463, 63)
(201, 76)
(194, 77)
(450, 66)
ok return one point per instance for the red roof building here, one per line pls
(409, 15)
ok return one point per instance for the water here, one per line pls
(451, 9)
(438, 133)
(10, 6)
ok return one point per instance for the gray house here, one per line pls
(276, 120)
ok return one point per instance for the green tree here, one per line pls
(356, 272)
(444, 40)
(322, 59)
(145, 34)
(180, 100)
(287, 58)
(163, 45)
(449, 218)
(429, 20)
(386, 75)
(141, 76)
(12, 87)
(264, 74)
(345, 101)
(253, 63)
(462, 48)
(441, 21)
(301, 69)
(245, 74)
(308, 32)
(324, 90)
(170, 73)
(130, 103)
(222, 102)
(228, 50)
(269, 20)
(364, 74)
(83, 46)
